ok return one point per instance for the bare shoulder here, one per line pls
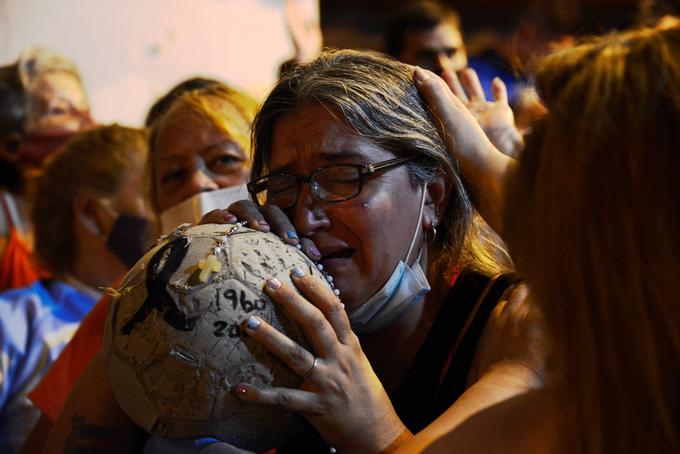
(512, 339)
(523, 424)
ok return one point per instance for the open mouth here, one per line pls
(336, 258)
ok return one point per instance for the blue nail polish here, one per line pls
(292, 235)
(253, 323)
(297, 272)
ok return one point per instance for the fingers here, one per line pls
(280, 224)
(312, 321)
(500, 92)
(330, 306)
(218, 217)
(249, 212)
(453, 82)
(290, 352)
(294, 400)
(310, 249)
(472, 86)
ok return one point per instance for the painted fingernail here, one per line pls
(314, 251)
(263, 224)
(292, 235)
(253, 323)
(241, 388)
(297, 272)
(419, 75)
(229, 218)
(274, 283)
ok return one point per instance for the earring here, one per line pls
(433, 228)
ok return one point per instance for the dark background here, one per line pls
(359, 23)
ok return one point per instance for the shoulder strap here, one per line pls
(463, 349)
(420, 392)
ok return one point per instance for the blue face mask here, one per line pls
(406, 286)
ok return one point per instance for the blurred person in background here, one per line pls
(89, 219)
(42, 104)
(199, 159)
(429, 35)
(600, 172)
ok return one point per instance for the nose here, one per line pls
(199, 181)
(308, 214)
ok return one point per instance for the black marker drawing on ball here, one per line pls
(157, 294)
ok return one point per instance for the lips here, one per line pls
(334, 259)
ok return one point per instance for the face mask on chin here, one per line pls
(191, 210)
(406, 286)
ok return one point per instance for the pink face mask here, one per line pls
(32, 150)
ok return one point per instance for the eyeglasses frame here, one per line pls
(365, 170)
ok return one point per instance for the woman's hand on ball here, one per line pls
(267, 218)
(340, 396)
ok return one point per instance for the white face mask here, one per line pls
(406, 286)
(194, 208)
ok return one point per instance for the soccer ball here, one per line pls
(174, 343)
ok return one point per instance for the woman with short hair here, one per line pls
(90, 224)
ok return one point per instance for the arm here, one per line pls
(91, 418)
(508, 363)
(341, 395)
(486, 170)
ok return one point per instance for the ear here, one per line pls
(87, 212)
(435, 201)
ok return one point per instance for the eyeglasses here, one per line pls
(335, 183)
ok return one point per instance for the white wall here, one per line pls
(131, 51)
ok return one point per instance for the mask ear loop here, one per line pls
(420, 218)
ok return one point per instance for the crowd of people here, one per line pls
(505, 269)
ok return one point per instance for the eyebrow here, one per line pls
(226, 142)
(327, 158)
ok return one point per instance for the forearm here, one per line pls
(91, 418)
(503, 382)
(487, 175)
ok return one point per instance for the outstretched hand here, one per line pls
(340, 396)
(495, 117)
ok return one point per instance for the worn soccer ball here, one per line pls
(174, 343)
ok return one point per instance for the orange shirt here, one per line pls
(17, 268)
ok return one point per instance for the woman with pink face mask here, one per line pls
(42, 104)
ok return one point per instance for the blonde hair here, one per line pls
(217, 105)
(93, 164)
(593, 225)
(377, 98)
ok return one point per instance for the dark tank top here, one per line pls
(438, 375)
